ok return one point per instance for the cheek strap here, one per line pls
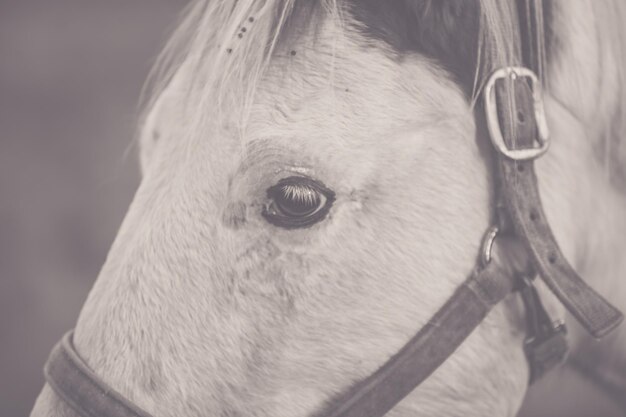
(520, 116)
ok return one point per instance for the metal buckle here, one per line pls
(493, 124)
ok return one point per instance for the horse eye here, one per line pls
(297, 202)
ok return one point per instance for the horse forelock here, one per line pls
(227, 47)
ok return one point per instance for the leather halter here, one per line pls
(514, 115)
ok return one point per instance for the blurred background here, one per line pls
(71, 72)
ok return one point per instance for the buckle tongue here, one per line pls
(491, 112)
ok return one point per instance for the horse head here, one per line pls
(315, 186)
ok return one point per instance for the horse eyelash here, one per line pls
(299, 193)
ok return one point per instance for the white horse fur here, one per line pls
(203, 308)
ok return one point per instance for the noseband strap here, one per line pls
(429, 348)
(72, 379)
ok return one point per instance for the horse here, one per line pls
(315, 185)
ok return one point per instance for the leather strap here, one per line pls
(428, 349)
(73, 381)
(546, 341)
(519, 194)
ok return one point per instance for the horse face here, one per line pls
(262, 270)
